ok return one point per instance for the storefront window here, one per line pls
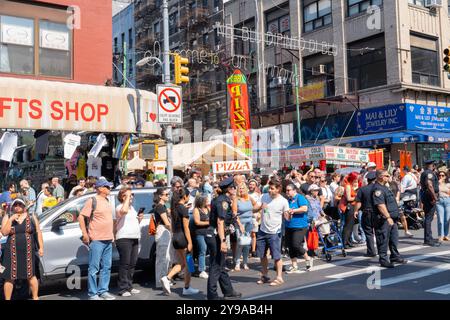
(433, 151)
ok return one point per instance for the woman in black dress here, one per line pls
(20, 251)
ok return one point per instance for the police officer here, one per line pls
(429, 184)
(385, 220)
(217, 246)
(364, 202)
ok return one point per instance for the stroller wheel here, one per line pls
(328, 257)
(344, 254)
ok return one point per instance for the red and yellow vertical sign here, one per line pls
(239, 113)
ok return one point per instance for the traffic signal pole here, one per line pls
(166, 63)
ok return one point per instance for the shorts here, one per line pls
(179, 241)
(265, 241)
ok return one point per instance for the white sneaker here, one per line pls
(107, 296)
(190, 291)
(293, 270)
(203, 275)
(165, 282)
(126, 294)
(135, 291)
(96, 297)
(309, 264)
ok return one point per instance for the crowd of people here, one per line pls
(238, 216)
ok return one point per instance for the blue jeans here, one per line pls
(243, 250)
(443, 212)
(201, 252)
(100, 260)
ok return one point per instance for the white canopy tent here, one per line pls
(202, 154)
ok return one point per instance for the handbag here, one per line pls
(152, 225)
(245, 240)
(313, 239)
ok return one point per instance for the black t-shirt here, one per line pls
(304, 188)
(204, 216)
(158, 211)
(179, 212)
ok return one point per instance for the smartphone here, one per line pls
(141, 210)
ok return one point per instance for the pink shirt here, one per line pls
(101, 226)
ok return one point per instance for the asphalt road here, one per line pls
(425, 276)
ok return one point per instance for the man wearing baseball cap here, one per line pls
(429, 183)
(371, 167)
(99, 237)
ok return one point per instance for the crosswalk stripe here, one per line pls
(445, 289)
(376, 268)
(356, 259)
(415, 275)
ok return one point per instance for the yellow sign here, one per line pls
(312, 92)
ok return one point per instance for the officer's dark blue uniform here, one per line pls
(364, 196)
(429, 205)
(386, 235)
(220, 209)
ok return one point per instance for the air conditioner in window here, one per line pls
(318, 70)
(216, 9)
(217, 47)
(433, 3)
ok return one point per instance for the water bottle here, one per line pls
(190, 263)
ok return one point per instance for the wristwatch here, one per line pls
(224, 240)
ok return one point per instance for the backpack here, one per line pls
(88, 220)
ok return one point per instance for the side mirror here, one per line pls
(58, 223)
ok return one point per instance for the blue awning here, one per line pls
(392, 137)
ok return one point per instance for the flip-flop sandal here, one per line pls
(276, 282)
(263, 280)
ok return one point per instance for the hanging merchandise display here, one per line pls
(94, 165)
(71, 165)
(119, 145)
(8, 143)
(81, 167)
(42, 141)
(99, 144)
(71, 142)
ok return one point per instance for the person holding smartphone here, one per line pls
(127, 237)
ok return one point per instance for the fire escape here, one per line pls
(145, 14)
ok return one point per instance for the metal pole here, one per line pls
(124, 64)
(297, 106)
(166, 64)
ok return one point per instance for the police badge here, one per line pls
(377, 193)
(430, 176)
(225, 205)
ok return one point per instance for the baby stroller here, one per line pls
(330, 237)
(414, 215)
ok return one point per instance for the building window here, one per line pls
(123, 39)
(216, 3)
(205, 40)
(54, 49)
(130, 38)
(17, 45)
(205, 4)
(316, 15)
(130, 67)
(319, 68)
(358, 6)
(115, 45)
(424, 61)
(367, 63)
(279, 88)
(417, 2)
(173, 23)
(157, 29)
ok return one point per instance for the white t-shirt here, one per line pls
(127, 226)
(256, 196)
(94, 165)
(39, 203)
(71, 142)
(272, 215)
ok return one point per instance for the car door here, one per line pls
(63, 246)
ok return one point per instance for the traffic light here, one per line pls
(447, 59)
(181, 69)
